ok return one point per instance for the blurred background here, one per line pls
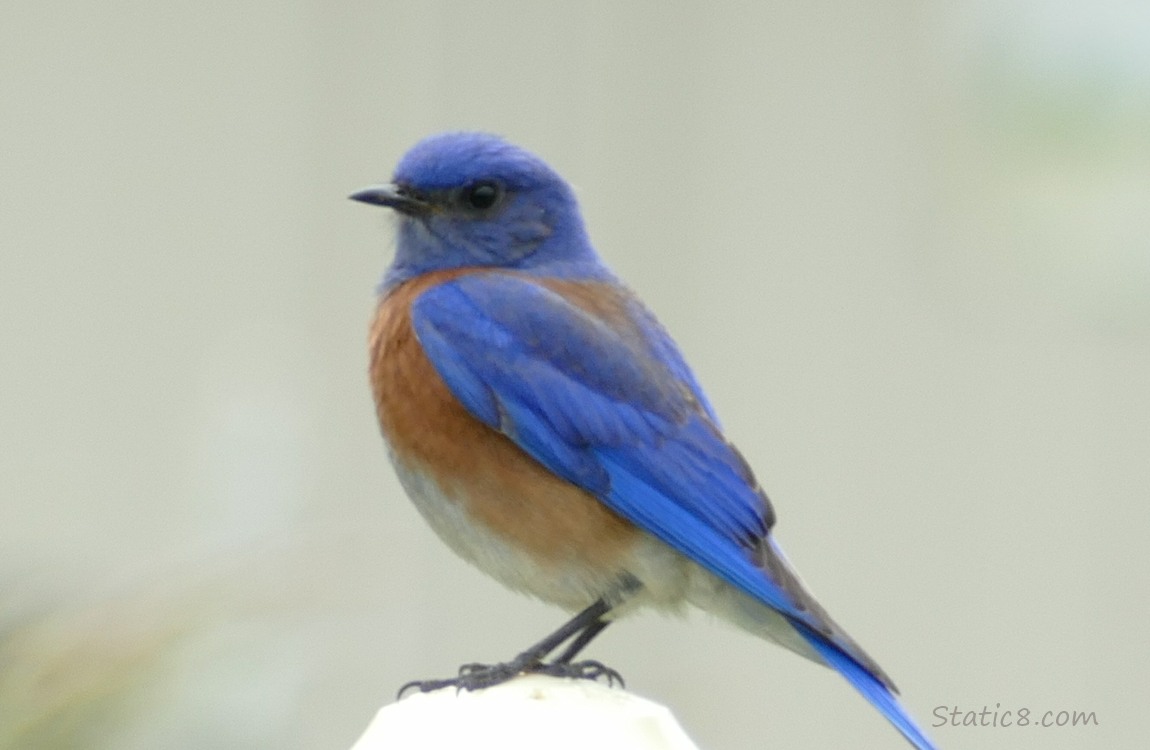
(906, 247)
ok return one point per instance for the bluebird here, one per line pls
(549, 430)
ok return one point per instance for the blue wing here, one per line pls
(612, 407)
(595, 407)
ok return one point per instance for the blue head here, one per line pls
(475, 200)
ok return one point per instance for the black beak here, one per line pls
(392, 196)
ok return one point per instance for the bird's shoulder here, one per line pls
(408, 382)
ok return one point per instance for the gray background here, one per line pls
(906, 247)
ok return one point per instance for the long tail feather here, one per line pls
(870, 687)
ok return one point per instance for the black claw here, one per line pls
(422, 686)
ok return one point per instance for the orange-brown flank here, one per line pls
(497, 483)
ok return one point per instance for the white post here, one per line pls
(531, 711)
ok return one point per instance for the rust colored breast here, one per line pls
(497, 484)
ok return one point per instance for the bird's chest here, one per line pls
(491, 502)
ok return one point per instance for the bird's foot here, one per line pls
(480, 676)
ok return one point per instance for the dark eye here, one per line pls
(481, 195)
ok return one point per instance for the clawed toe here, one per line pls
(471, 677)
(582, 670)
(421, 686)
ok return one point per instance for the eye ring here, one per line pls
(481, 194)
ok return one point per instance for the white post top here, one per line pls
(530, 711)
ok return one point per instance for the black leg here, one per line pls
(581, 640)
(583, 626)
(580, 623)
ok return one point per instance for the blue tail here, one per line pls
(873, 690)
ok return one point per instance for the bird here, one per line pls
(550, 431)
